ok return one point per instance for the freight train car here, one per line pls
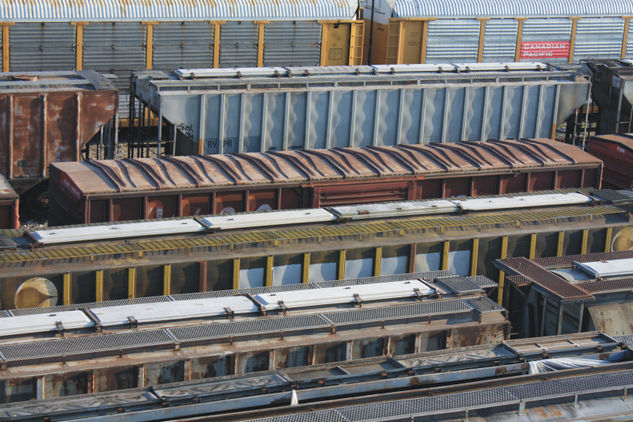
(573, 293)
(255, 110)
(47, 117)
(298, 389)
(91, 263)
(9, 206)
(616, 151)
(118, 36)
(108, 191)
(112, 346)
(417, 31)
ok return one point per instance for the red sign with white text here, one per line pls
(544, 50)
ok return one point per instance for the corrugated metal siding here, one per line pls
(42, 46)
(183, 45)
(116, 48)
(452, 41)
(238, 44)
(173, 10)
(500, 40)
(511, 8)
(547, 30)
(292, 44)
(598, 38)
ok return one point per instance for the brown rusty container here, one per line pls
(101, 191)
(617, 152)
(47, 117)
(9, 205)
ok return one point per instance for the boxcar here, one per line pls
(417, 31)
(108, 191)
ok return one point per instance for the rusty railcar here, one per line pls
(184, 255)
(49, 117)
(269, 392)
(147, 188)
(616, 151)
(187, 337)
(573, 293)
(9, 206)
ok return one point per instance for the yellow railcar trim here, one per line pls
(585, 239)
(149, 45)
(504, 254)
(67, 288)
(572, 41)
(625, 36)
(474, 257)
(236, 273)
(131, 283)
(325, 33)
(532, 252)
(607, 239)
(99, 286)
(167, 279)
(482, 33)
(216, 44)
(305, 269)
(260, 43)
(517, 49)
(378, 261)
(445, 251)
(341, 265)
(269, 271)
(559, 243)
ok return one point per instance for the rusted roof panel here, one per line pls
(545, 279)
(301, 166)
(6, 191)
(625, 140)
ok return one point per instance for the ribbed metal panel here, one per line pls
(598, 38)
(292, 44)
(247, 327)
(547, 30)
(451, 41)
(174, 10)
(80, 346)
(510, 8)
(42, 46)
(458, 284)
(500, 40)
(238, 44)
(183, 45)
(116, 48)
(397, 312)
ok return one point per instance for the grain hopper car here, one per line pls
(113, 346)
(148, 188)
(94, 263)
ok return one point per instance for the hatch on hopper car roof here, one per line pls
(146, 313)
(345, 294)
(115, 231)
(263, 219)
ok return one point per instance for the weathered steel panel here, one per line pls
(238, 44)
(9, 206)
(500, 40)
(451, 41)
(598, 38)
(293, 43)
(312, 112)
(42, 46)
(183, 45)
(53, 123)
